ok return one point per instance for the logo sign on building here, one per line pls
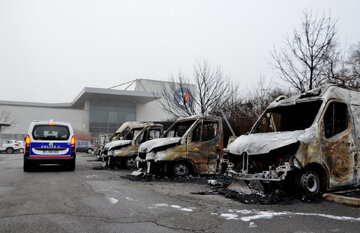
(183, 98)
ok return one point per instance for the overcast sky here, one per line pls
(50, 50)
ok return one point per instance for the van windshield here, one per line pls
(178, 129)
(51, 132)
(288, 118)
(132, 134)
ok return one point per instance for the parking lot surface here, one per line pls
(51, 199)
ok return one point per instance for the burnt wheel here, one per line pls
(309, 182)
(130, 163)
(181, 169)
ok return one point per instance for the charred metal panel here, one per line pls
(339, 147)
(205, 155)
(262, 143)
(340, 161)
(127, 151)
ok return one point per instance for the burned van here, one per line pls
(312, 139)
(100, 144)
(118, 135)
(124, 149)
(191, 145)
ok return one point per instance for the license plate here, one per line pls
(50, 152)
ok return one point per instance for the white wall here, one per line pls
(25, 115)
(151, 112)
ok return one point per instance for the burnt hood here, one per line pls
(118, 143)
(262, 143)
(150, 145)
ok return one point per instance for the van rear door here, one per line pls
(50, 141)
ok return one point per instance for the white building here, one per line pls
(97, 110)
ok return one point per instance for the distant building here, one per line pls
(97, 110)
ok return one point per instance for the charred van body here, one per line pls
(312, 139)
(192, 145)
(124, 149)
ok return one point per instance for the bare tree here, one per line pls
(243, 111)
(6, 116)
(309, 53)
(346, 71)
(206, 92)
(354, 65)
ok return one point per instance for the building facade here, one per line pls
(94, 110)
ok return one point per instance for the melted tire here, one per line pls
(180, 169)
(130, 163)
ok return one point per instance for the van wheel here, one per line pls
(89, 151)
(27, 166)
(9, 150)
(71, 165)
(181, 169)
(309, 183)
(130, 163)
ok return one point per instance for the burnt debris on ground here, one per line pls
(219, 185)
(145, 177)
(259, 194)
(226, 186)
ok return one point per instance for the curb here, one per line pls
(339, 198)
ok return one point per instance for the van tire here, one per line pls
(89, 151)
(130, 163)
(309, 182)
(180, 169)
(71, 165)
(26, 166)
(9, 150)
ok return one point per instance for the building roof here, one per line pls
(91, 93)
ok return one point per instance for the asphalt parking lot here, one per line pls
(51, 199)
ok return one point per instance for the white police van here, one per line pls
(50, 142)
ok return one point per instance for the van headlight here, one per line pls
(150, 156)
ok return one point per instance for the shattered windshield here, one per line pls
(132, 134)
(178, 129)
(114, 137)
(288, 118)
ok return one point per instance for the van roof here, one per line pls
(39, 122)
(199, 116)
(133, 124)
(324, 92)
